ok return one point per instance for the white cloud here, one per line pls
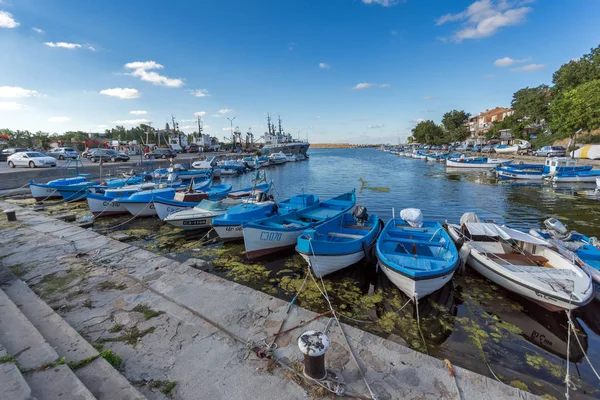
(132, 121)
(71, 46)
(200, 93)
(225, 110)
(200, 113)
(11, 92)
(384, 3)
(364, 86)
(142, 70)
(507, 61)
(318, 117)
(138, 112)
(7, 20)
(384, 85)
(216, 115)
(484, 18)
(291, 46)
(324, 65)
(59, 119)
(227, 129)
(529, 68)
(376, 126)
(429, 97)
(38, 30)
(418, 120)
(122, 93)
(10, 105)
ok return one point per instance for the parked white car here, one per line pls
(31, 159)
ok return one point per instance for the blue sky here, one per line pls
(360, 71)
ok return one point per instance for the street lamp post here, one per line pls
(232, 135)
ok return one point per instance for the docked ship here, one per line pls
(276, 140)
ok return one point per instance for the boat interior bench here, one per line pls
(518, 258)
(366, 228)
(409, 242)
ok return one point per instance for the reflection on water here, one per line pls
(470, 321)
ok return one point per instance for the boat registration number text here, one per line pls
(195, 222)
(270, 236)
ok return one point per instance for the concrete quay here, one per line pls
(187, 334)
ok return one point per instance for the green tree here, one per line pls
(515, 124)
(454, 125)
(532, 103)
(575, 109)
(577, 72)
(428, 132)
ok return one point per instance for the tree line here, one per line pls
(571, 103)
(41, 140)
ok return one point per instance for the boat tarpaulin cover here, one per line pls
(413, 216)
(493, 230)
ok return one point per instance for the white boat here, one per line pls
(522, 263)
(201, 216)
(289, 157)
(598, 183)
(277, 158)
(475, 162)
(504, 149)
(576, 176)
(301, 157)
(590, 151)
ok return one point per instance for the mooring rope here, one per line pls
(572, 326)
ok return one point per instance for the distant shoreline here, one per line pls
(340, 145)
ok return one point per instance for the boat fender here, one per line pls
(104, 183)
(463, 255)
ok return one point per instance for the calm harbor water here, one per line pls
(470, 321)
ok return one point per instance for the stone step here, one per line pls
(99, 377)
(12, 384)
(57, 382)
(20, 338)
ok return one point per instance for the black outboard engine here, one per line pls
(147, 178)
(260, 197)
(360, 213)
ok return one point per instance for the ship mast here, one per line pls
(200, 128)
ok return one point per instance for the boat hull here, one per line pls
(229, 233)
(163, 210)
(43, 192)
(489, 164)
(415, 288)
(145, 209)
(100, 205)
(260, 242)
(327, 264)
(516, 175)
(575, 178)
(191, 224)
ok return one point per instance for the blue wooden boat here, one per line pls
(140, 204)
(551, 167)
(417, 259)
(578, 176)
(229, 225)
(47, 191)
(281, 232)
(339, 242)
(475, 162)
(186, 200)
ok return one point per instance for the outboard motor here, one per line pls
(172, 177)
(260, 197)
(556, 228)
(360, 213)
(147, 178)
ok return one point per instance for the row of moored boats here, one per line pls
(553, 267)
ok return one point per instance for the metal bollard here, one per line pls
(11, 215)
(314, 344)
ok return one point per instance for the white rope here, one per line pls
(419, 322)
(324, 292)
(568, 376)
(129, 220)
(572, 326)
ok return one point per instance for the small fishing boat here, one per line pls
(522, 263)
(105, 203)
(577, 176)
(277, 158)
(598, 183)
(47, 191)
(573, 245)
(475, 162)
(201, 215)
(301, 157)
(229, 225)
(189, 199)
(289, 157)
(182, 173)
(417, 256)
(520, 171)
(339, 242)
(281, 232)
(506, 149)
(140, 204)
(251, 191)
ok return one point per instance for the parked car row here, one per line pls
(551, 151)
(31, 159)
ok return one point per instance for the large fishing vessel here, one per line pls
(276, 140)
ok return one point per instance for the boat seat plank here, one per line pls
(528, 258)
(410, 242)
(344, 235)
(410, 228)
(366, 228)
